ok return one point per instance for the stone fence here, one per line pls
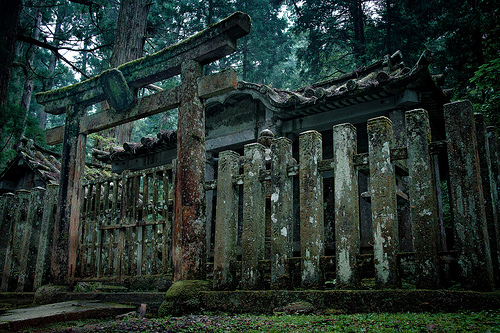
(270, 225)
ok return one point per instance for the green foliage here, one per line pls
(486, 91)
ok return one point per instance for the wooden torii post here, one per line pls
(117, 87)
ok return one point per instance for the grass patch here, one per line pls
(484, 321)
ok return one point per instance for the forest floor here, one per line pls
(483, 321)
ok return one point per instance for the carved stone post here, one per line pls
(494, 145)
(347, 239)
(312, 230)
(190, 218)
(384, 204)
(476, 271)
(226, 224)
(16, 231)
(423, 200)
(281, 212)
(31, 225)
(489, 192)
(46, 236)
(254, 223)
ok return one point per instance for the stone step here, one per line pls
(57, 312)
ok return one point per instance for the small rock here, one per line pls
(296, 308)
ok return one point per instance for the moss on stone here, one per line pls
(183, 297)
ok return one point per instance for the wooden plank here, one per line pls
(208, 45)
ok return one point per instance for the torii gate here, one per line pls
(117, 87)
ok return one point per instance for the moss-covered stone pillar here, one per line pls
(15, 237)
(347, 239)
(46, 236)
(189, 230)
(423, 200)
(312, 231)
(494, 146)
(30, 233)
(6, 210)
(489, 192)
(226, 224)
(281, 212)
(254, 219)
(467, 199)
(384, 204)
(66, 226)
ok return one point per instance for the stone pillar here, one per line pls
(489, 192)
(423, 200)
(6, 209)
(254, 219)
(209, 195)
(474, 258)
(281, 212)
(384, 204)
(46, 236)
(312, 230)
(347, 238)
(226, 224)
(28, 242)
(494, 146)
(15, 236)
(190, 218)
(404, 209)
(65, 245)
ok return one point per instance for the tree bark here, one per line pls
(129, 43)
(356, 12)
(9, 25)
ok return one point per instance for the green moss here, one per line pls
(183, 297)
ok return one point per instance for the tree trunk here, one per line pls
(30, 56)
(9, 25)
(356, 12)
(61, 15)
(129, 43)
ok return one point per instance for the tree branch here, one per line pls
(32, 41)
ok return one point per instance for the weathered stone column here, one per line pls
(15, 237)
(189, 230)
(423, 200)
(384, 204)
(489, 192)
(66, 226)
(474, 259)
(27, 260)
(312, 230)
(404, 209)
(281, 212)
(254, 219)
(226, 224)
(347, 239)
(494, 146)
(46, 236)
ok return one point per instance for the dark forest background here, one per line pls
(54, 43)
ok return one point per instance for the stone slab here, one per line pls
(56, 312)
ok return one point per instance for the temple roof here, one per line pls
(45, 165)
(388, 77)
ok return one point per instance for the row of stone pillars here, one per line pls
(467, 198)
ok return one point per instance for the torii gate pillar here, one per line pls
(188, 233)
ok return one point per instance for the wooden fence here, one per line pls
(126, 225)
(268, 226)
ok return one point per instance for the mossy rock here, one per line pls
(51, 294)
(183, 297)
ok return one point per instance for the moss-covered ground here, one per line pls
(484, 321)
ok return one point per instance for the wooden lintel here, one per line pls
(218, 83)
(211, 44)
(161, 101)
